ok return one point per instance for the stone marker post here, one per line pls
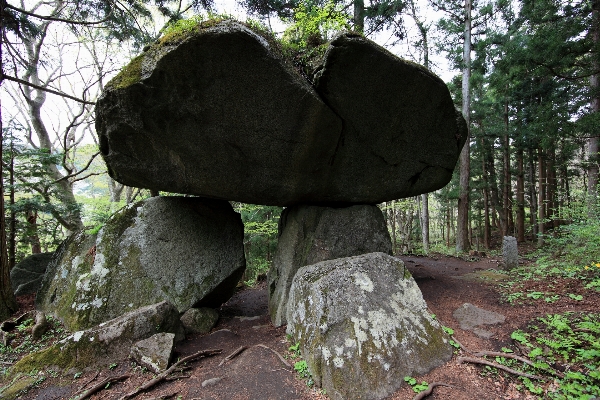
(510, 252)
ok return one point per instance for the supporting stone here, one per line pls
(362, 326)
(309, 234)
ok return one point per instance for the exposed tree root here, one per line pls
(283, 360)
(514, 357)
(101, 385)
(429, 390)
(175, 367)
(233, 355)
(499, 366)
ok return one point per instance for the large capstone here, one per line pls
(188, 251)
(219, 112)
(309, 234)
(363, 325)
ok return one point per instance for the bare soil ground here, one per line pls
(264, 369)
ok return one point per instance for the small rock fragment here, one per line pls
(154, 352)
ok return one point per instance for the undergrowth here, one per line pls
(565, 350)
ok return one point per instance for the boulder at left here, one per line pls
(186, 250)
(26, 277)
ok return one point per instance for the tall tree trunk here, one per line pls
(425, 222)
(551, 187)
(541, 196)
(520, 196)
(592, 142)
(32, 232)
(8, 303)
(533, 204)
(462, 235)
(486, 219)
(506, 203)
(493, 182)
(12, 239)
(359, 16)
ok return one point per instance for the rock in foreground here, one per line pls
(218, 112)
(363, 325)
(188, 251)
(310, 234)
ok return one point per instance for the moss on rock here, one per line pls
(363, 325)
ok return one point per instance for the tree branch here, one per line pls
(79, 172)
(56, 19)
(38, 87)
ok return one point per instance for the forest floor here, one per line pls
(264, 370)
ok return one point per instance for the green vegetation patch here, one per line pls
(565, 350)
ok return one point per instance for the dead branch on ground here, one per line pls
(235, 353)
(101, 385)
(175, 367)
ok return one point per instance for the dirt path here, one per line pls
(259, 372)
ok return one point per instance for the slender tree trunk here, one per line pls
(486, 219)
(541, 196)
(448, 226)
(532, 195)
(12, 239)
(8, 303)
(592, 142)
(551, 187)
(425, 222)
(520, 196)
(359, 16)
(32, 230)
(506, 206)
(462, 235)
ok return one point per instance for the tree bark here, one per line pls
(520, 196)
(541, 196)
(462, 233)
(8, 303)
(532, 194)
(359, 16)
(506, 203)
(592, 142)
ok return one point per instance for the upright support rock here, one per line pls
(510, 252)
(186, 250)
(309, 234)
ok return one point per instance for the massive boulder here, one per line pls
(362, 326)
(309, 234)
(402, 135)
(186, 250)
(26, 277)
(218, 112)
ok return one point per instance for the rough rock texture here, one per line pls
(510, 252)
(309, 234)
(402, 135)
(218, 113)
(154, 352)
(199, 320)
(26, 277)
(363, 325)
(186, 250)
(473, 318)
(106, 343)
